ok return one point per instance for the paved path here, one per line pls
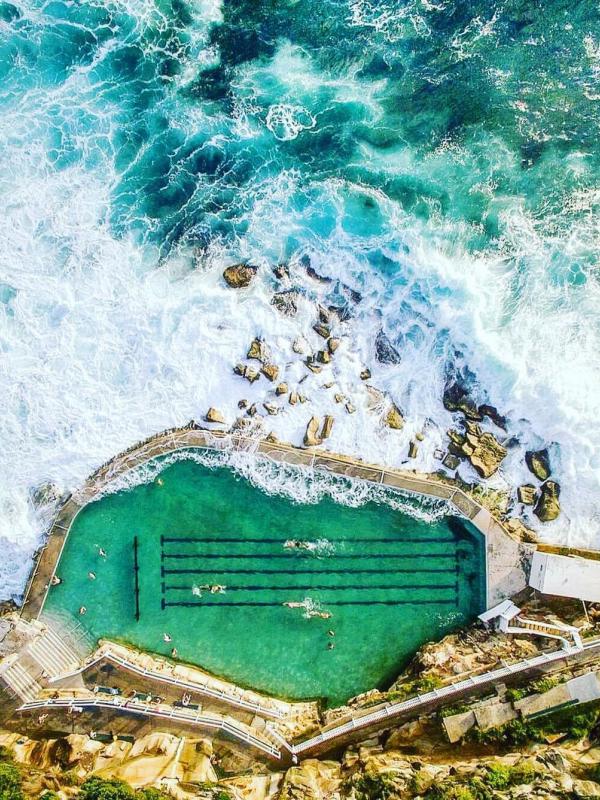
(505, 557)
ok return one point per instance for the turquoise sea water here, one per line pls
(438, 160)
(390, 582)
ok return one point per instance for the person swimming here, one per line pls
(82, 610)
(167, 638)
(197, 591)
(174, 653)
(292, 604)
(92, 576)
(297, 544)
(55, 580)
(102, 552)
(217, 588)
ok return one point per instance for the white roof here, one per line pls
(566, 576)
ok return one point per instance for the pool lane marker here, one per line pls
(136, 571)
(208, 603)
(361, 587)
(193, 571)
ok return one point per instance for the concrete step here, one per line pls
(53, 655)
(18, 679)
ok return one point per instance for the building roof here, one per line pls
(566, 576)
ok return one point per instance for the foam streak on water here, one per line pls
(440, 158)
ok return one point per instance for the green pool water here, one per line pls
(389, 581)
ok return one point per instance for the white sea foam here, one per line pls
(104, 343)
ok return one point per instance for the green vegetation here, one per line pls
(497, 777)
(457, 708)
(373, 787)
(10, 777)
(576, 722)
(411, 688)
(541, 686)
(100, 789)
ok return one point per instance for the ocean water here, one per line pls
(389, 581)
(437, 160)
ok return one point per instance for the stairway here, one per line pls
(53, 655)
(19, 680)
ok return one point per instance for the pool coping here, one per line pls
(506, 559)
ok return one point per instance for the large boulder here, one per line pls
(385, 351)
(538, 462)
(327, 427)
(238, 276)
(483, 450)
(311, 437)
(548, 505)
(394, 419)
(258, 350)
(270, 371)
(214, 415)
(526, 494)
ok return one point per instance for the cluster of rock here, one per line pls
(486, 453)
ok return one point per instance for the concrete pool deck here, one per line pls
(506, 558)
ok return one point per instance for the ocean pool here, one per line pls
(390, 582)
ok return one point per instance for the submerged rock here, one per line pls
(526, 494)
(548, 505)
(311, 437)
(456, 399)
(214, 415)
(238, 276)
(483, 450)
(538, 462)
(385, 351)
(492, 413)
(394, 419)
(286, 302)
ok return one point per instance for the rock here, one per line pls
(515, 527)
(413, 449)
(240, 369)
(281, 271)
(419, 436)
(584, 789)
(214, 415)
(385, 351)
(313, 367)
(324, 315)
(456, 399)
(252, 411)
(332, 345)
(376, 399)
(312, 273)
(492, 413)
(350, 408)
(8, 607)
(251, 374)
(271, 408)
(45, 494)
(286, 302)
(538, 462)
(293, 398)
(302, 398)
(238, 276)
(394, 419)
(299, 346)
(322, 330)
(365, 374)
(327, 427)
(548, 506)
(526, 494)
(242, 404)
(328, 385)
(324, 356)
(271, 438)
(311, 437)
(282, 388)
(451, 461)
(483, 450)
(258, 350)
(339, 398)
(270, 371)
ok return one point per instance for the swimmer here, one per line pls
(174, 653)
(330, 645)
(167, 638)
(291, 604)
(55, 580)
(330, 632)
(160, 481)
(92, 576)
(82, 610)
(217, 588)
(197, 591)
(102, 552)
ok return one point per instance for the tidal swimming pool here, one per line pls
(390, 582)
